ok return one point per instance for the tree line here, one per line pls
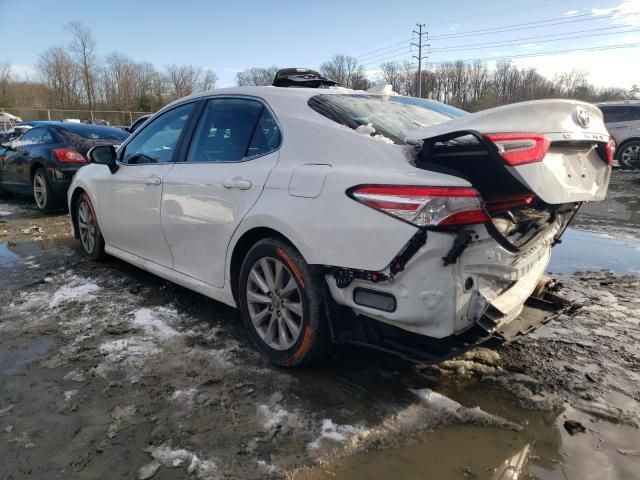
(74, 76)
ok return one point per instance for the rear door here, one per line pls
(618, 122)
(233, 148)
(129, 200)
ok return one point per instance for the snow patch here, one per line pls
(203, 469)
(121, 349)
(151, 321)
(331, 432)
(69, 394)
(185, 396)
(267, 468)
(77, 288)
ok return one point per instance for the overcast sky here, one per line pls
(229, 36)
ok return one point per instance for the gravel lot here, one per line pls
(109, 372)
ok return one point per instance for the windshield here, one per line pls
(390, 116)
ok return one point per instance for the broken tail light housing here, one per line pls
(610, 151)
(68, 155)
(424, 206)
(520, 148)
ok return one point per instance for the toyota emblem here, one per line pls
(582, 117)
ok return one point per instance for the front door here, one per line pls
(18, 160)
(233, 149)
(130, 198)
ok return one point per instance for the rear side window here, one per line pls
(47, 137)
(266, 136)
(231, 130)
(390, 116)
(623, 113)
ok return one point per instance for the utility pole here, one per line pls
(420, 57)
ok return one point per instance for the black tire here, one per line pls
(313, 340)
(626, 154)
(87, 224)
(4, 194)
(44, 196)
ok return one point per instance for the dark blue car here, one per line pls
(43, 160)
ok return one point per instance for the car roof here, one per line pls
(614, 103)
(80, 127)
(272, 92)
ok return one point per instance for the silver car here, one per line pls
(622, 119)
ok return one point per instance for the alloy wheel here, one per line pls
(275, 303)
(40, 190)
(86, 227)
(630, 156)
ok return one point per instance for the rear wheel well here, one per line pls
(34, 168)
(624, 144)
(242, 247)
(72, 210)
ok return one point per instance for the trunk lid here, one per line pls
(575, 167)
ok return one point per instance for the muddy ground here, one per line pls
(109, 372)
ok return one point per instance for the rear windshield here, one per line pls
(390, 116)
(96, 132)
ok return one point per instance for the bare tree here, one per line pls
(61, 75)
(119, 79)
(256, 76)
(345, 70)
(83, 48)
(208, 81)
(182, 79)
(569, 82)
(5, 79)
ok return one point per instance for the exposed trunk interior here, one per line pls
(517, 213)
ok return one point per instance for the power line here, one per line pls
(503, 12)
(523, 26)
(475, 44)
(404, 47)
(557, 52)
(498, 13)
(382, 60)
(503, 29)
(403, 42)
(518, 41)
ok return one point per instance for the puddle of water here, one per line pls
(543, 449)
(7, 257)
(588, 251)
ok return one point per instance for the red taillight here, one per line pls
(610, 150)
(500, 203)
(67, 155)
(520, 148)
(424, 206)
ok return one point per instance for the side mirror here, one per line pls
(104, 155)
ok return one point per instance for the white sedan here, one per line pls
(330, 215)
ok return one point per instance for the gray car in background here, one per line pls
(622, 119)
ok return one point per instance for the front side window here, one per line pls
(226, 129)
(391, 116)
(157, 142)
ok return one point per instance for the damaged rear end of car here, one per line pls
(475, 268)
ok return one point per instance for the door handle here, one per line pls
(237, 183)
(153, 180)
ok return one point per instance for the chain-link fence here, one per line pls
(110, 117)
